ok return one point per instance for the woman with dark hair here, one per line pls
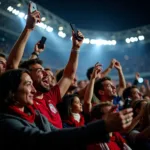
(22, 127)
(71, 111)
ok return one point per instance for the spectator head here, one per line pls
(104, 89)
(51, 77)
(81, 84)
(99, 110)
(2, 63)
(137, 105)
(132, 92)
(16, 88)
(143, 89)
(38, 74)
(71, 104)
(89, 72)
(59, 75)
(145, 120)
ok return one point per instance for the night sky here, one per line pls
(103, 15)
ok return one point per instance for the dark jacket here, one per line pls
(19, 134)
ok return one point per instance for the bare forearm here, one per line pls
(144, 135)
(122, 82)
(18, 50)
(70, 69)
(88, 96)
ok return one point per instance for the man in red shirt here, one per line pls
(46, 99)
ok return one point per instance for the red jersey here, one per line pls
(47, 106)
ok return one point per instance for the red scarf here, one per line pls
(71, 121)
(29, 117)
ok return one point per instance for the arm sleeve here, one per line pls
(15, 133)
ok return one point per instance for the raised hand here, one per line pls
(118, 121)
(112, 63)
(37, 49)
(96, 71)
(76, 43)
(118, 65)
(137, 75)
(32, 18)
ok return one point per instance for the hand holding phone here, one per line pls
(73, 27)
(42, 42)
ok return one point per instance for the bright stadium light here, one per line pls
(93, 41)
(19, 5)
(10, 8)
(62, 34)
(61, 28)
(16, 12)
(25, 17)
(141, 37)
(127, 40)
(113, 42)
(21, 14)
(49, 29)
(86, 41)
(43, 19)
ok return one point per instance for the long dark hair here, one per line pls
(9, 83)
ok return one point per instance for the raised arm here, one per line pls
(18, 49)
(107, 71)
(70, 69)
(122, 82)
(89, 90)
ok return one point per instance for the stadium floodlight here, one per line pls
(16, 12)
(86, 41)
(21, 14)
(25, 17)
(10, 8)
(93, 41)
(49, 29)
(127, 40)
(141, 37)
(61, 28)
(43, 19)
(99, 42)
(62, 34)
(140, 80)
(113, 42)
(19, 5)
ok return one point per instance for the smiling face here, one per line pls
(76, 105)
(40, 78)
(25, 92)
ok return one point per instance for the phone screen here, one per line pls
(33, 7)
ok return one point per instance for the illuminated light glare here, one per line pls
(71, 38)
(21, 15)
(140, 80)
(42, 25)
(62, 34)
(10, 8)
(86, 41)
(93, 41)
(16, 12)
(141, 37)
(128, 40)
(49, 29)
(43, 19)
(61, 28)
(19, 5)
(25, 17)
(114, 42)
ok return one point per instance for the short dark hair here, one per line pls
(89, 72)
(47, 69)
(28, 63)
(127, 92)
(59, 74)
(2, 55)
(99, 85)
(97, 111)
